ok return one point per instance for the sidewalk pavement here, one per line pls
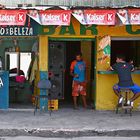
(77, 138)
(67, 122)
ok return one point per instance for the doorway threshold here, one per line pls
(21, 107)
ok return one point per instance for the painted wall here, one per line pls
(105, 98)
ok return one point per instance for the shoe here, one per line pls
(130, 103)
(120, 100)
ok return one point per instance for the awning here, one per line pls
(63, 17)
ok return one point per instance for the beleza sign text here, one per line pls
(16, 31)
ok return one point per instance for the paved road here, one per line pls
(79, 138)
(69, 123)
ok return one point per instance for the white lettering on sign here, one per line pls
(50, 17)
(2, 31)
(109, 17)
(16, 31)
(7, 18)
(65, 17)
(135, 17)
(95, 17)
(1, 83)
(21, 17)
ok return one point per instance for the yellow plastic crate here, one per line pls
(53, 105)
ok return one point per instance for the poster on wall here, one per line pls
(104, 49)
(12, 17)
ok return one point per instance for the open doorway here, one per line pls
(60, 59)
(19, 55)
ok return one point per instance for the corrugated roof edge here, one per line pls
(41, 7)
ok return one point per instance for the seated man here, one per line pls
(124, 70)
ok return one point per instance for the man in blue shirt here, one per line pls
(124, 70)
(78, 71)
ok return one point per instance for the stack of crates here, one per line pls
(52, 104)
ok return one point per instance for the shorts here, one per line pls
(78, 88)
(135, 88)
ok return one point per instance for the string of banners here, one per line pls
(63, 17)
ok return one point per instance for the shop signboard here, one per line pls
(26, 30)
(13, 17)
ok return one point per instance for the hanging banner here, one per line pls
(55, 17)
(123, 16)
(79, 15)
(12, 17)
(134, 16)
(34, 15)
(100, 17)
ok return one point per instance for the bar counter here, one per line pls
(106, 98)
(114, 72)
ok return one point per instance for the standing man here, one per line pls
(124, 70)
(78, 71)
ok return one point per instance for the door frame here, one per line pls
(94, 61)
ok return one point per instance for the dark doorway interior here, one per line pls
(67, 55)
(72, 47)
(129, 48)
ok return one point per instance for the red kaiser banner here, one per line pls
(12, 17)
(55, 17)
(100, 17)
(134, 16)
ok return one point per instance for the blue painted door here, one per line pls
(4, 90)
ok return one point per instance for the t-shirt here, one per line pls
(124, 73)
(79, 68)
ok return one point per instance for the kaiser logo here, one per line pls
(12, 17)
(21, 17)
(135, 17)
(55, 17)
(109, 17)
(65, 17)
